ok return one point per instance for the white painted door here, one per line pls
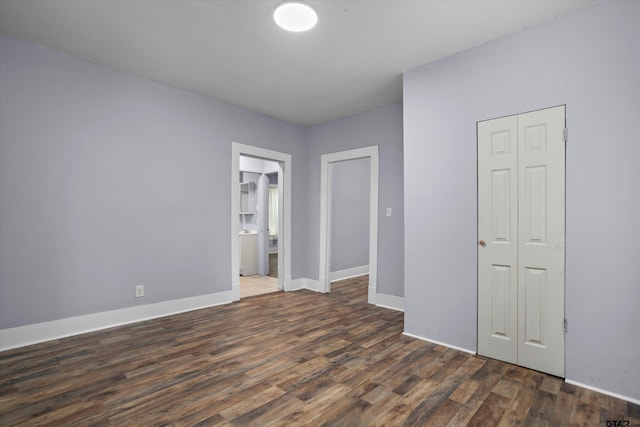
(498, 232)
(521, 185)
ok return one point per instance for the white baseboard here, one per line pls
(297, 284)
(371, 294)
(439, 343)
(305, 283)
(235, 291)
(334, 276)
(46, 331)
(313, 285)
(390, 301)
(599, 390)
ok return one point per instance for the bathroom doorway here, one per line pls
(258, 218)
(260, 234)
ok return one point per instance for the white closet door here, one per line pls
(498, 229)
(521, 218)
(541, 188)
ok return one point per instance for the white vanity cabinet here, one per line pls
(248, 254)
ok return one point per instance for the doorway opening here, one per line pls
(258, 226)
(327, 163)
(259, 233)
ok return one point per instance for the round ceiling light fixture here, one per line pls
(295, 16)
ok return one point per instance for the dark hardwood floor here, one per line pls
(299, 358)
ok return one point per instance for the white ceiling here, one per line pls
(232, 50)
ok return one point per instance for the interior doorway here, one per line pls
(327, 162)
(349, 207)
(247, 204)
(258, 218)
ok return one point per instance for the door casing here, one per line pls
(325, 215)
(284, 208)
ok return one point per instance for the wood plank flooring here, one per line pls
(273, 265)
(299, 358)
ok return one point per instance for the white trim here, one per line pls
(326, 161)
(297, 284)
(305, 283)
(46, 331)
(599, 390)
(348, 273)
(391, 302)
(284, 206)
(439, 343)
(371, 294)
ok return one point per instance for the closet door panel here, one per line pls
(521, 229)
(541, 231)
(497, 229)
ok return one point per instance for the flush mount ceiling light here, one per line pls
(295, 16)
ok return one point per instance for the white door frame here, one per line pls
(284, 209)
(326, 162)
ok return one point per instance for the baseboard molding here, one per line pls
(599, 390)
(46, 331)
(371, 294)
(235, 291)
(334, 276)
(439, 343)
(305, 283)
(297, 284)
(390, 301)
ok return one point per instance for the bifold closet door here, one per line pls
(521, 220)
(498, 233)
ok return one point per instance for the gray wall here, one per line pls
(350, 211)
(590, 61)
(108, 181)
(382, 127)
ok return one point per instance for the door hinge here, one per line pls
(565, 134)
(565, 325)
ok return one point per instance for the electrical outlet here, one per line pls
(139, 291)
(388, 211)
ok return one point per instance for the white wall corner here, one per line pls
(305, 283)
(314, 285)
(348, 273)
(46, 331)
(296, 284)
(390, 301)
